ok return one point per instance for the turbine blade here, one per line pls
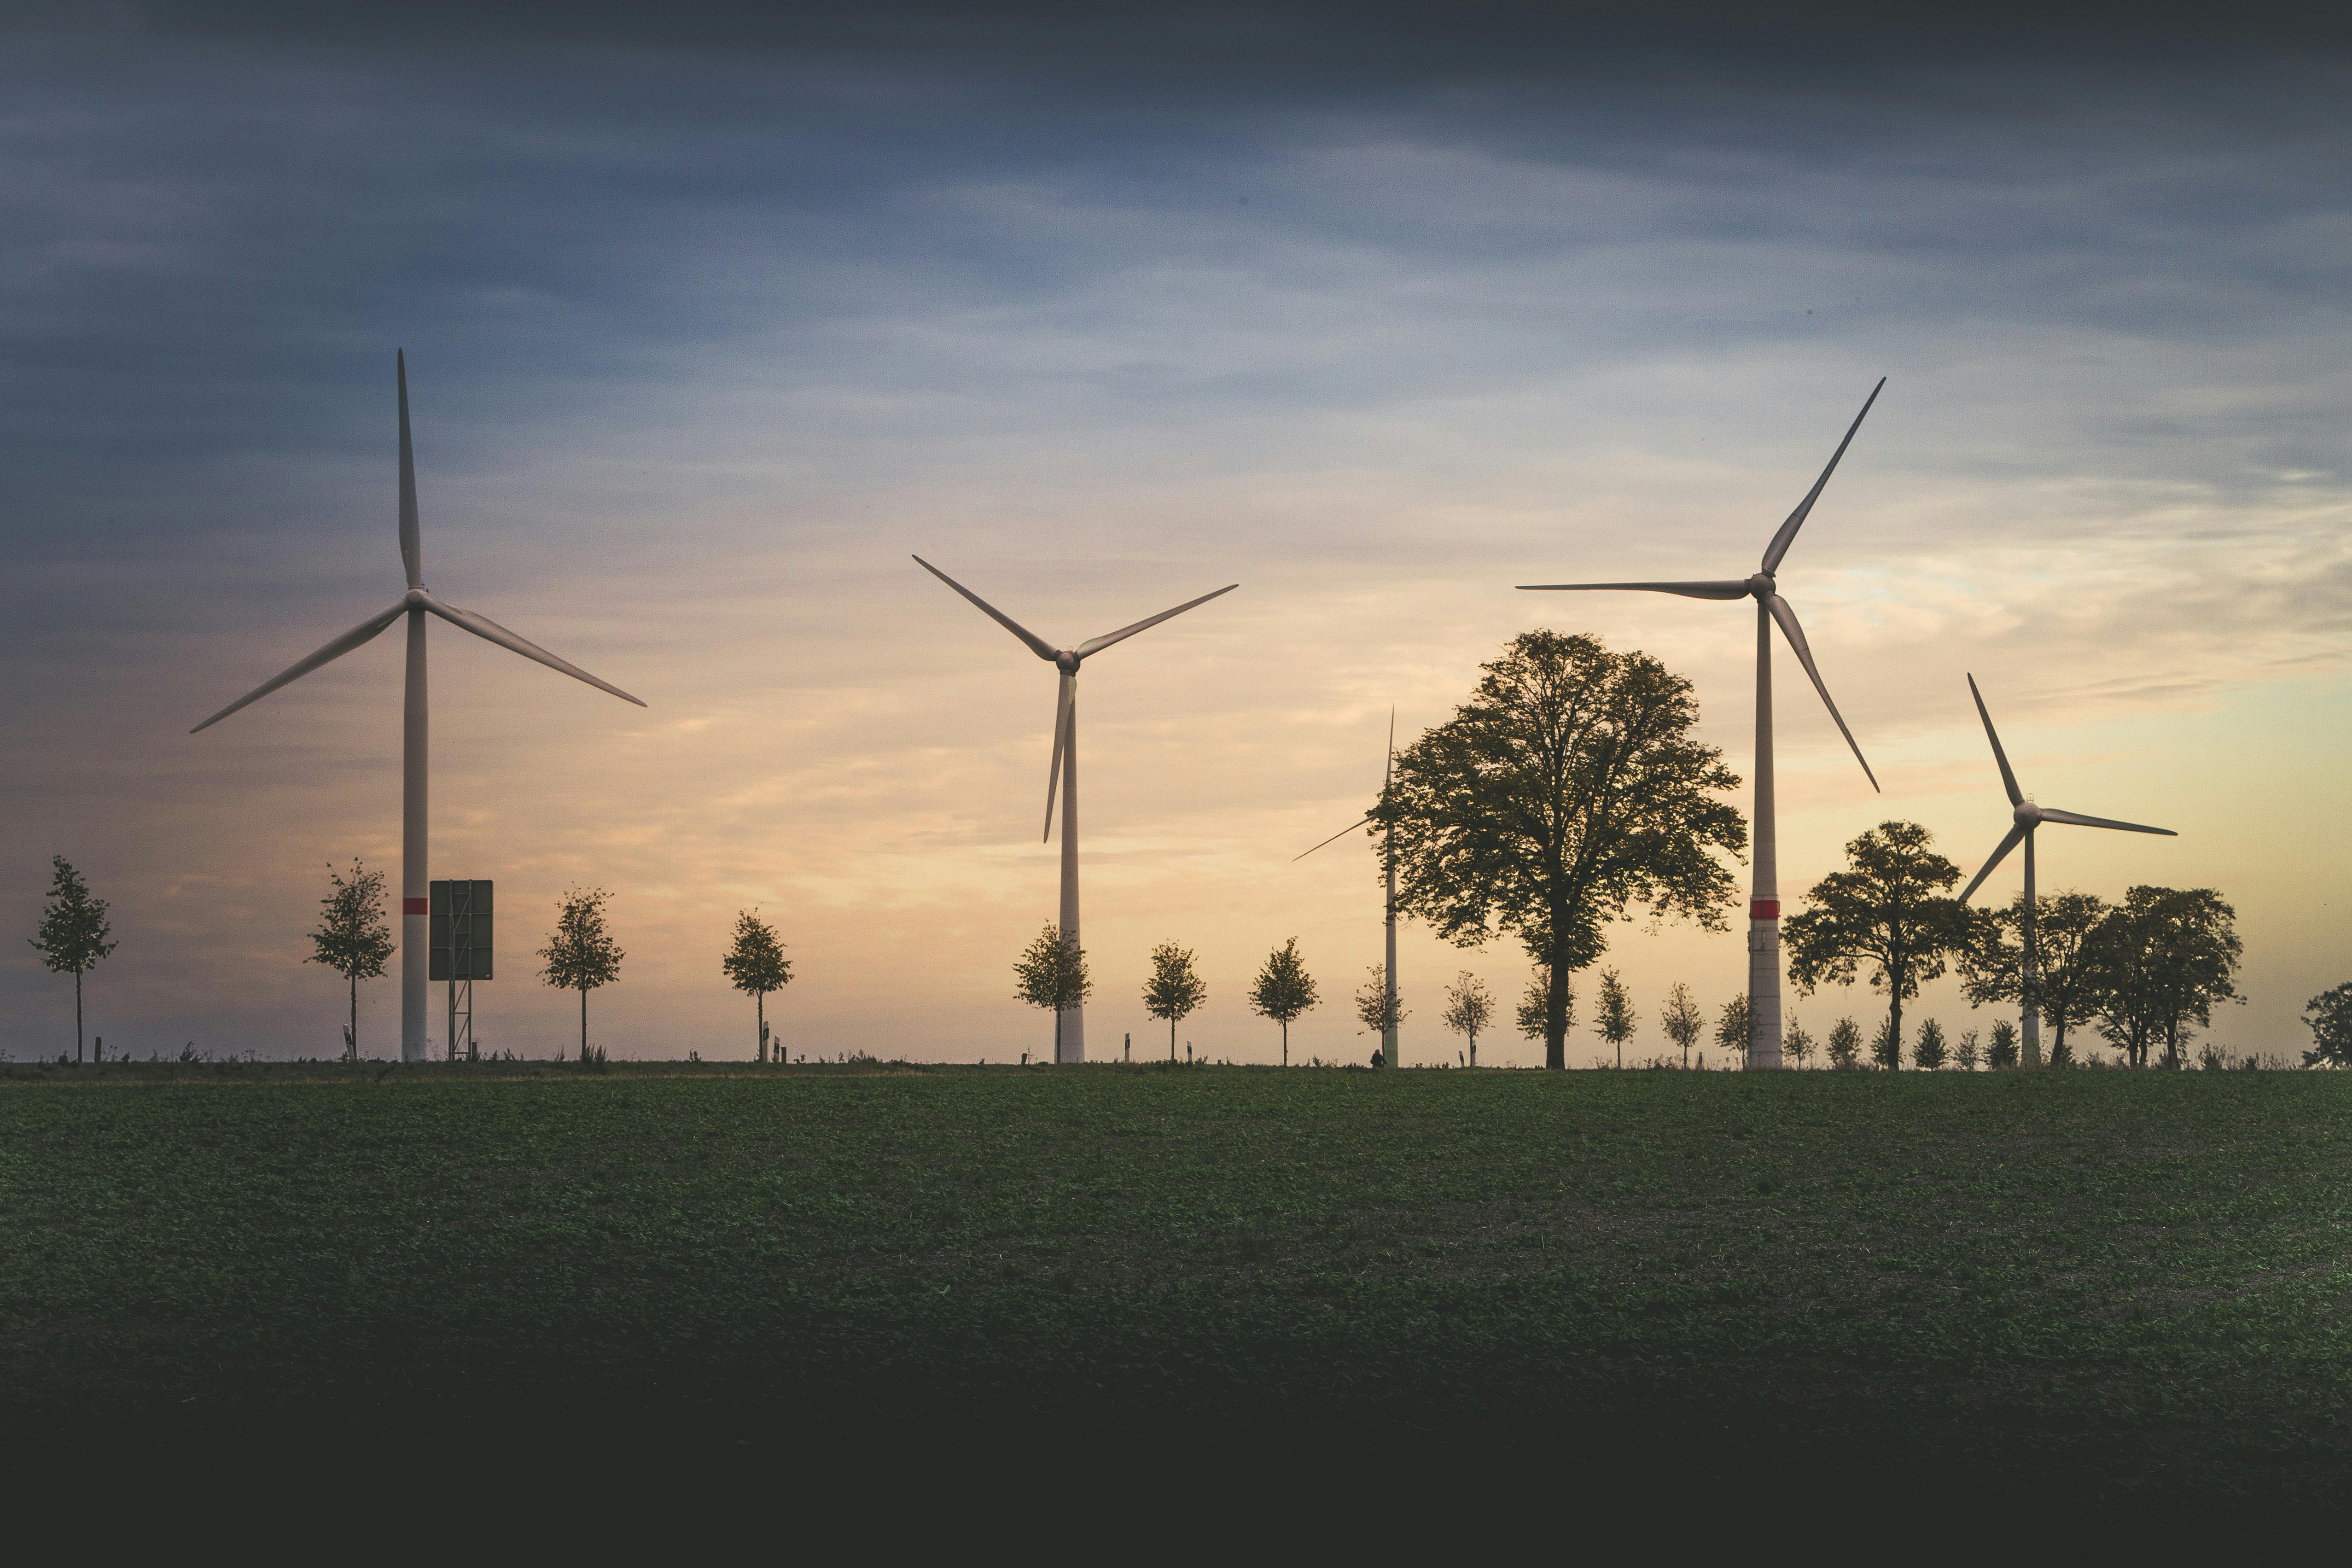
(412, 541)
(489, 630)
(1796, 635)
(1061, 737)
(1788, 534)
(2016, 837)
(366, 631)
(1333, 839)
(2050, 814)
(2008, 779)
(1037, 645)
(1096, 645)
(1726, 589)
(1388, 768)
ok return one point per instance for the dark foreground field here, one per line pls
(2129, 1290)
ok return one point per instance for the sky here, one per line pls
(713, 321)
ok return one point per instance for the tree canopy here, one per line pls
(2328, 1016)
(1618, 1021)
(580, 954)
(1881, 918)
(1469, 1008)
(1052, 973)
(1380, 1007)
(1567, 791)
(755, 964)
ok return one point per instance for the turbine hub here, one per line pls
(2027, 813)
(1760, 585)
(1067, 662)
(414, 598)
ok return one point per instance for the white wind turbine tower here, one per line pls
(1388, 861)
(416, 604)
(1764, 902)
(1063, 771)
(2027, 817)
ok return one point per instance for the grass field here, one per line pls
(2113, 1285)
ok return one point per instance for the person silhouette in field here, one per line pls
(1379, 1060)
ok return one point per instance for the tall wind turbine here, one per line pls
(416, 604)
(2026, 818)
(1764, 900)
(1388, 861)
(1063, 771)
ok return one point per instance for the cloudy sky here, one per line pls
(1375, 311)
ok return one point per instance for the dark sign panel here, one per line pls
(460, 930)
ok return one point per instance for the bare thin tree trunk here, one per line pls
(760, 1003)
(356, 1017)
(584, 1023)
(77, 1018)
(1286, 1044)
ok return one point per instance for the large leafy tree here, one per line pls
(2328, 1015)
(1282, 992)
(1884, 917)
(2157, 965)
(73, 934)
(1993, 965)
(580, 954)
(1052, 973)
(353, 938)
(755, 964)
(1176, 991)
(1565, 791)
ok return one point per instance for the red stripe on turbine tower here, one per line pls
(415, 906)
(1764, 910)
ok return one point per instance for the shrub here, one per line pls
(2001, 1054)
(1927, 1049)
(1846, 1045)
(1967, 1053)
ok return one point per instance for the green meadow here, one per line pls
(2115, 1285)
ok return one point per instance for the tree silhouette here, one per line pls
(1618, 1021)
(581, 953)
(1735, 1028)
(1380, 1008)
(1282, 992)
(1175, 990)
(1534, 1011)
(353, 939)
(73, 933)
(1468, 1009)
(1881, 917)
(1567, 790)
(2328, 1016)
(1051, 973)
(1681, 1019)
(756, 964)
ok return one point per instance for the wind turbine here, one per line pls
(2027, 817)
(416, 604)
(1764, 901)
(1388, 858)
(1063, 771)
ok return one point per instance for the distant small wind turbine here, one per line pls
(1063, 771)
(1388, 859)
(1764, 900)
(2029, 816)
(416, 604)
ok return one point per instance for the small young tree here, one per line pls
(1468, 1009)
(1735, 1029)
(1681, 1019)
(353, 939)
(1380, 1008)
(581, 953)
(1052, 973)
(756, 964)
(1797, 1045)
(1536, 1002)
(1886, 1045)
(73, 933)
(2000, 1052)
(1282, 992)
(1175, 990)
(1844, 1048)
(1618, 1021)
(1967, 1052)
(1927, 1049)
(2328, 1016)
